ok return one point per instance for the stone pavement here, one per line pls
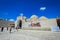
(29, 35)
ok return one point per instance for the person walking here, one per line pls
(7, 28)
(2, 28)
(17, 28)
(10, 29)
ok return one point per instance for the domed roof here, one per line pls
(42, 18)
(34, 16)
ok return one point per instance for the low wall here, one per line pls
(45, 24)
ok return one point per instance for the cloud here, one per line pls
(11, 20)
(43, 8)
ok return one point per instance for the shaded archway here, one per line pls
(20, 24)
(58, 23)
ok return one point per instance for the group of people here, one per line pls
(2, 29)
(9, 29)
(12, 26)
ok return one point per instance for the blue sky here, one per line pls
(10, 9)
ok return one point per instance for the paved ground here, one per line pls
(29, 35)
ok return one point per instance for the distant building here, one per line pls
(6, 23)
(42, 22)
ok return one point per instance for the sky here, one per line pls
(11, 9)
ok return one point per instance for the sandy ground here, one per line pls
(29, 35)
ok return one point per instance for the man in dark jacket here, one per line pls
(2, 28)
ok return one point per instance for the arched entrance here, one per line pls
(58, 23)
(20, 24)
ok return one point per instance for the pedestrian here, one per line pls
(10, 29)
(2, 28)
(17, 28)
(7, 28)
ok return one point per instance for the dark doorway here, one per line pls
(58, 23)
(20, 24)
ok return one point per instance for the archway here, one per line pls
(58, 23)
(20, 24)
